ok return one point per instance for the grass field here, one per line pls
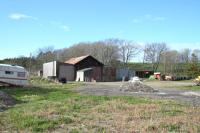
(50, 107)
(183, 84)
(193, 88)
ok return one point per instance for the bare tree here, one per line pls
(185, 55)
(197, 53)
(110, 51)
(127, 50)
(46, 54)
(170, 60)
(105, 51)
(153, 53)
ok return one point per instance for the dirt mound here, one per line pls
(137, 87)
(6, 100)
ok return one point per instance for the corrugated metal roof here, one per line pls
(73, 61)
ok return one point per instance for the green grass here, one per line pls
(172, 127)
(47, 106)
(189, 88)
(193, 88)
(39, 98)
(59, 99)
(173, 84)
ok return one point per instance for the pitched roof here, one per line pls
(73, 61)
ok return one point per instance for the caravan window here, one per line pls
(9, 72)
(21, 74)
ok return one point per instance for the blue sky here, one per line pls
(26, 25)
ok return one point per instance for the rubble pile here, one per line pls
(136, 85)
(6, 100)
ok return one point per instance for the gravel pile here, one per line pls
(6, 101)
(137, 87)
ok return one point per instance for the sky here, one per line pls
(26, 25)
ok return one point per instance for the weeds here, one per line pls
(54, 107)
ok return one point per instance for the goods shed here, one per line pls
(87, 64)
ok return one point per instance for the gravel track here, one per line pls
(166, 90)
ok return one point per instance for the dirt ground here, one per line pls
(166, 89)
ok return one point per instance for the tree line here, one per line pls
(117, 52)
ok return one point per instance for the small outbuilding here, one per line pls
(124, 74)
(144, 73)
(86, 68)
(58, 70)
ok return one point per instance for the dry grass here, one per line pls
(55, 108)
(165, 84)
(119, 116)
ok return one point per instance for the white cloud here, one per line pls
(19, 16)
(55, 23)
(136, 20)
(65, 27)
(148, 18)
(60, 25)
(159, 19)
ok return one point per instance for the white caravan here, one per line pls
(13, 75)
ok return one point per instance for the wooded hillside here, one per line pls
(119, 53)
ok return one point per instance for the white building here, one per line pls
(58, 70)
